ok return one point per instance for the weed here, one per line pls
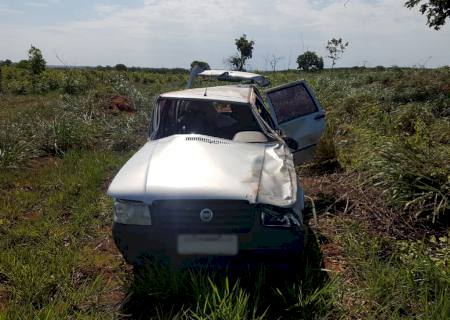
(15, 149)
(40, 257)
(395, 281)
(414, 178)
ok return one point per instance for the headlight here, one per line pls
(270, 218)
(128, 212)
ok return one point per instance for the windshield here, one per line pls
(212, 118)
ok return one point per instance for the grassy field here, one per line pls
(380, 248)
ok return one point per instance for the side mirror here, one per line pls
(291, 143)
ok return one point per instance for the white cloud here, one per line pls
(42, 3)
(175, 32)
(7, 10)
(105, 8)
(37, 4)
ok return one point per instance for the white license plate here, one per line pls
(215, 244)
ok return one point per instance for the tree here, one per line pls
(6, 63)
(23, 64)
(245, 52)
(273, 61)
(203, 65)
(36, 60)
(437, 11)
(309, 61)
(336, 48)
(121, 67)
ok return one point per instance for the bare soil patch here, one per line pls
(118, 103)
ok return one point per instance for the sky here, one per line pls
(173, 33)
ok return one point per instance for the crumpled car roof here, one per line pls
(228, 75)
(233, 93)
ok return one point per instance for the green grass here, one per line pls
(305, 292)
(60, 146)
(48, 219)
(394, 279)
(393, 126)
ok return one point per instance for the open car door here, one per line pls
(299, 116)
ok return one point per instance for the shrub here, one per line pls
(415, 178)
(224, 303)
(203, 65)
(23, 64)
(74, 83)
(326, 150)
(121, 67)
(36, 60)
(120, 85)
(309, 61)
(15, 148)
(64, 132)
(19, 87)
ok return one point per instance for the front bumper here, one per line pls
(259, 245)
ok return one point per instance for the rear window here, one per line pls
(292, 102)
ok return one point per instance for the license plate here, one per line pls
(215, 244)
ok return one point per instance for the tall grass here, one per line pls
(389, 125)
(304, 292)
(261, 294)
(415, 178)
(224, 302)
(395, 279)
(15, 149)
(393, 126)
(48, 266)
(76, 122)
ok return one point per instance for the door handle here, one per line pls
(319, 116)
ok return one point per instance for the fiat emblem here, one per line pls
(206, 215)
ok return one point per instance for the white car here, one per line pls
(217, 177)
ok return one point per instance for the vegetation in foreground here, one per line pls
(380, 247)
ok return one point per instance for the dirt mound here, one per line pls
(118, 103)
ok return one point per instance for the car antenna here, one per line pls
(206, 91)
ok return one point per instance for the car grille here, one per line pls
(184, 216)
(207, 140)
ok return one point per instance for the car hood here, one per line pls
(203, 167)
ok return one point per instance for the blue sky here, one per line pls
(172, 33)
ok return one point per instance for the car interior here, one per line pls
(213, 118)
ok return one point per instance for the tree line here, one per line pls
(437, 12)
(306, 61)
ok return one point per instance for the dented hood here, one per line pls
(203, 167)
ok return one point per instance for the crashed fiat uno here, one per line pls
(217, 178)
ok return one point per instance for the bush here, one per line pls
(224, 303)
(74, 83)
(120, 85)
(415, 178)
(20, 87)
(203, 65)
(121, 67)
(15, 148)
(64, 132)
(77, 122)
(309, 61)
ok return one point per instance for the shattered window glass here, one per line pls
(292, 102)
(212, 118)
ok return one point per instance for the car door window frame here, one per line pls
(288, 85)
(264, 114)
